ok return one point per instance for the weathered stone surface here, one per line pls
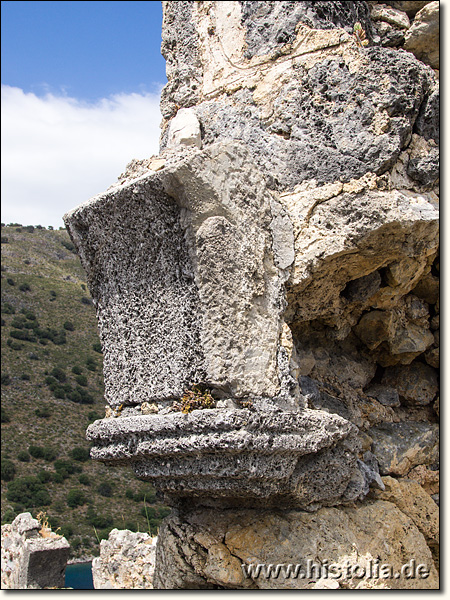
(273, 456)
(414, 502)
(277, 107)
(416, 383)
(388, 396)
(400, 447)
(181, 267)
(427, 123)
(422, 38)
(381, 12)
(32, 557)
(184, 129)
(410, 7)
(426, 477)
(346, 231)
(204, 549)
(126, 561)
(428, 288)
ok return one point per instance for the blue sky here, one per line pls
(80, 98)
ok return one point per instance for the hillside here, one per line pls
(52, 388)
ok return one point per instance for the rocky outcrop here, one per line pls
(33, 557)
(267, 291)
(126, 561)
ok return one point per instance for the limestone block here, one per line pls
(400, 447)
(126, 561)
(422, 38)
(31, 560)
(184, 129)
(306, 458)
(381, 12)
(194, 545)
(181, 265)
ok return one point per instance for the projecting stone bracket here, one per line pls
(303, 459)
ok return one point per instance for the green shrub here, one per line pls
(26, 335)
(44, 476)
(84, 300)
(18, 322)
(69, 326)
(10, 281)
(81, 380)
(14, 345)
(129, 494)
(76, 498)
(97, 347)
(5, 379)
(93, 416)
(91, 364)
(8, 470)
(28, 491)
(8, 309)
(62, 465)
(84, 479)
(105, 489)
(80, 454)
(5, 239)
(53, 295)
(36, 451)
(5, 417)
(76, 370)
(47, 453)
(59, 477)
(25, 377)
(24, 287)
(66, 531)
(29, 315)
(98, 521)
(58, 392)
(69, 246)
(23, 456)
(58, 374)
(149, 512)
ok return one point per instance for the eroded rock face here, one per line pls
(207, 550)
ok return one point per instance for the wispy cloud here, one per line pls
(58, 151)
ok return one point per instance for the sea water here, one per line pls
(79, 576)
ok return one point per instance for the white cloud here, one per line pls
(58, 152)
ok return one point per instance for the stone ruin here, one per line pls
(281, 255)
(33, 557)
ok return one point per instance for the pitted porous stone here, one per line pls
(181, 267)
(289, 80)
(306, 458)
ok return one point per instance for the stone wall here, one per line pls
(279, 261)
